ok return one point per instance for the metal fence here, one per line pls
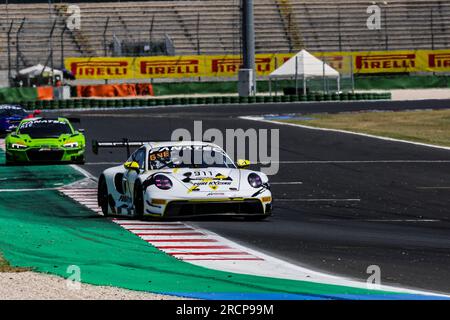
(47, 41)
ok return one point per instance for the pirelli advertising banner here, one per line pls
(168, 67)
(228, 65)
(402, 61)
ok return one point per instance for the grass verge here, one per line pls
(430, 126)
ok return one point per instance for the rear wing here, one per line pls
(125, 143)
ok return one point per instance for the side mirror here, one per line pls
(81, 130)
(243, 164)
(131, 165)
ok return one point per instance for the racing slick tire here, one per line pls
(8, 160)
(80, 161)
(138, 201)
(102, 195)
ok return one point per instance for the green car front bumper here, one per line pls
(39, 155)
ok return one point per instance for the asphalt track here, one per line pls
(392, 207)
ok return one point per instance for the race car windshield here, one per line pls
(17, 113)
(189, 157)
(45, 129)
(12, 112)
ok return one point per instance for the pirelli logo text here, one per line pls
(388, 62)
(100, 68)
(161, 68)
(336, 62)
(440, 60)
(232, 65)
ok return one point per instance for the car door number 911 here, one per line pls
(203, 173)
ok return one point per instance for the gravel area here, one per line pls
(36, 286)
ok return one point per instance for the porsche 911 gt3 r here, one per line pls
(181, 179)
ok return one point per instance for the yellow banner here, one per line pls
(101, 68)
(391, 61)
(169, 67)
(399, 61)
(228, 65)
(437, 60)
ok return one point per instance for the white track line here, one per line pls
(84, 172)
(248, 261)
(273, 267)
(261, 119)
(254, 263)
(187, 242)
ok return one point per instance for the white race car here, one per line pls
(182, 179)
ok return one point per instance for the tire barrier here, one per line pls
(135, 103)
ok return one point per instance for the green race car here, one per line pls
(38, 140)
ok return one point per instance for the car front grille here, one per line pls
(192, 208)
(45, 155)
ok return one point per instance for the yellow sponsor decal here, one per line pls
(159, 201)
(193, 188)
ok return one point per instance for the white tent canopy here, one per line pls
(304, 65)
(40, 69)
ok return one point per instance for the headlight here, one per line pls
(254, 180)
(18, 146)
(162, 182)
(71, 145)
